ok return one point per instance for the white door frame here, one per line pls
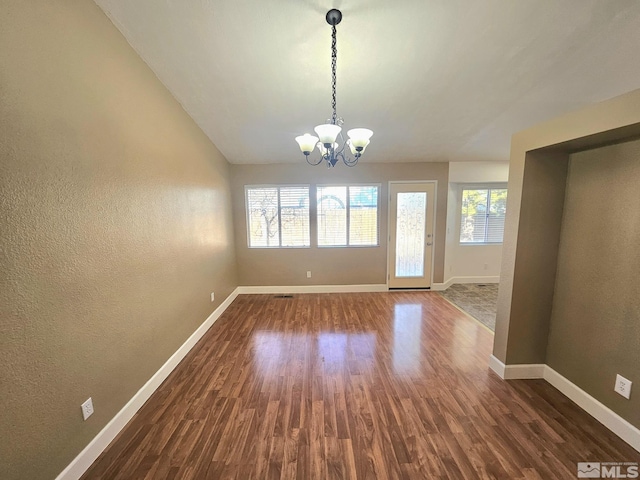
(435, 213)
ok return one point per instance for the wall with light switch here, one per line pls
(594, 331)
(569, 294)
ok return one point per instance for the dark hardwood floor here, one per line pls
(360, 385)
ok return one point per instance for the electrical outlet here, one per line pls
(623, 386)
(308, 273)
(87, 408)
(213, 296)
(486, 266)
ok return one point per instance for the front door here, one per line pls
(410, 234)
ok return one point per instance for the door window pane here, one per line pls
(410, 230)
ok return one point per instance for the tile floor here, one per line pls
(477, 299)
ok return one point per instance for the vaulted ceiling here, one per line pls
(436, 80)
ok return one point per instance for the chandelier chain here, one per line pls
(334, 58)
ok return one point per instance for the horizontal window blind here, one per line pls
(294, 216)
(347, 215)
(278, 216)
(482, 216)
(497, 212)
(332, 216)
(363, 215)
(262, 213)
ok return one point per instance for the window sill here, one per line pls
(348, 246)
(480, 244)
(277, 248)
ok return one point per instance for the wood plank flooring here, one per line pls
(345, 386)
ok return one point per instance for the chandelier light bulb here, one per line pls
(354, 150)
(324, 150)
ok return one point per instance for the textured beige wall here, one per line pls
(115, 225)
(330, 266)
(595, 324)
(592, 126)
(543, 192)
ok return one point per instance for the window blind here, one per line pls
(347, 215)
(332, 216)
(294, 216)
(363, 215)
(278, 216)
(482, 216)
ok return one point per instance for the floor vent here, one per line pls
(283, 296)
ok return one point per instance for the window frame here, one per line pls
(478, 186)
(348, 215)
(278, 187)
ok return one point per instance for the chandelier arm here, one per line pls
(350, 162)
(314, 164)
(342, 144)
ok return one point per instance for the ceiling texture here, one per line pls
(436, 80)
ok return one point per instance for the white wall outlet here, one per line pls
(213, 296)
(308, 273)
(87, 408)
(486, 266)
(623, 386)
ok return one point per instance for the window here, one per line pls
(483, 212)
(347, 215)
(278, 216)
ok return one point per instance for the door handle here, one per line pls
(429, 244)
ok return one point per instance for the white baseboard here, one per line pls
(439, 287)
(595, 408)
(312, 289)
(86, 457)
(607, 417)
(516, 372)
(497, 366)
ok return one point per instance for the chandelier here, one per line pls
(330, 150)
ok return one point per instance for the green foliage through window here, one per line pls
(483, 214)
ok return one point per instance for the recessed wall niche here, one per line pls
(555, 288)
